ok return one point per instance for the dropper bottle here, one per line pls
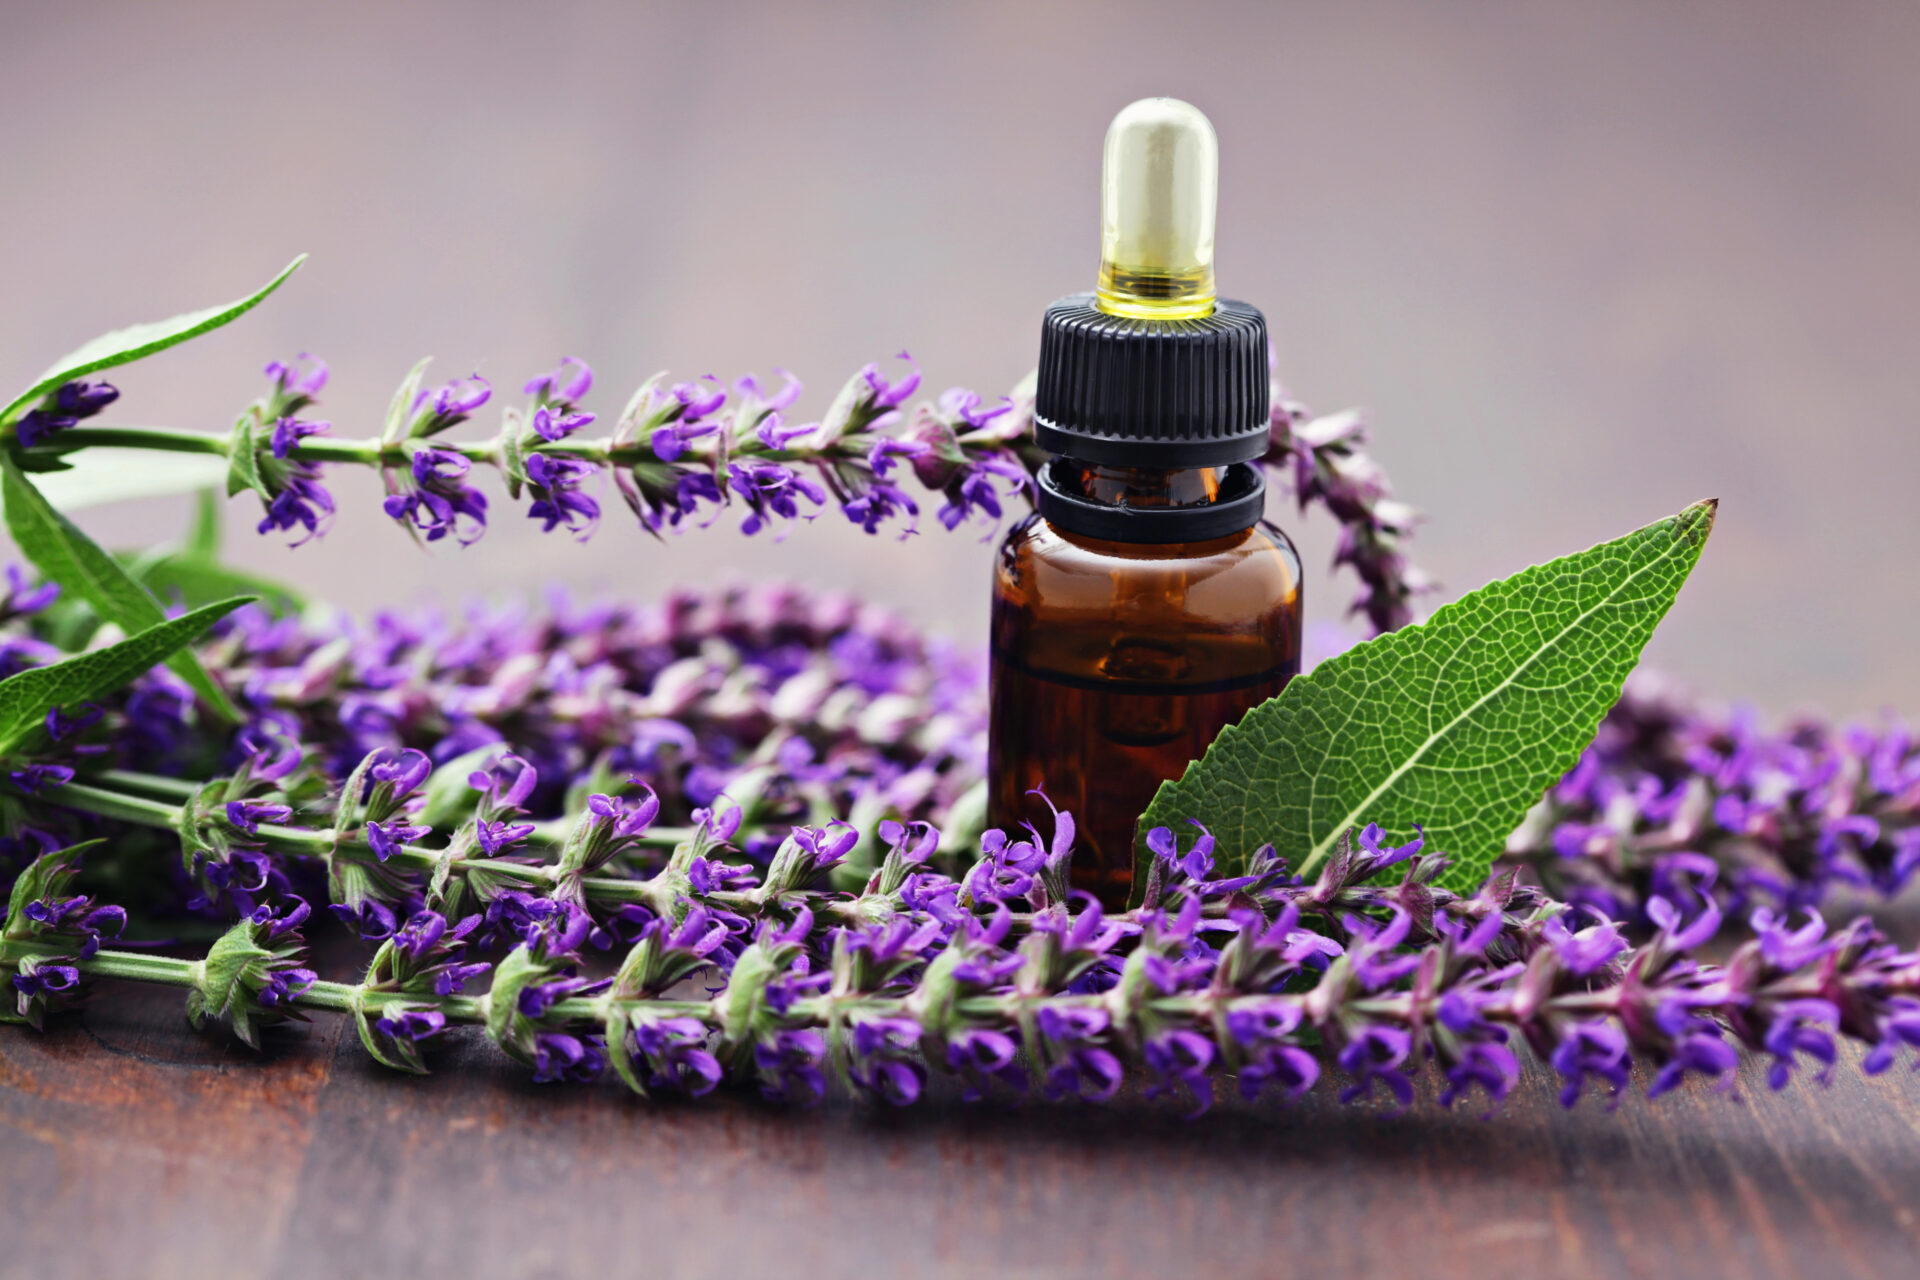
(1146, 604)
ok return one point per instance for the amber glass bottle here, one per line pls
(1145, 605)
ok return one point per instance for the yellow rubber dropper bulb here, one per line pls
(1159, 191)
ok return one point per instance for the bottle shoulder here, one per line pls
(1252, 571)
(1034, 542)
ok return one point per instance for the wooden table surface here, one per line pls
(131, 1145)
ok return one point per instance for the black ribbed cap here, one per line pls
(1152, 393)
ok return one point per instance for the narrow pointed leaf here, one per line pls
(63, 553)
(203, 536)
(1459, 724)
(26, 698)
(123, 346)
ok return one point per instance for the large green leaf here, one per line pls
(1459, 724)
(69, 557)
(26, 698)
(98, 475)
(123, 346)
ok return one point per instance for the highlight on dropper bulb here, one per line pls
(1159, 190)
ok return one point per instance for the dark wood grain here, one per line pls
(131, 1145)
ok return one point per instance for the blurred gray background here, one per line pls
(1584, 263)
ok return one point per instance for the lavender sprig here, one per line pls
(681, 452)
(1184, 998)
(1674, 803)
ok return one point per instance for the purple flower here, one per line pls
(1694, 1045)
(21, 599)
(1196, 863)
(978, 1055)
(1586, 952)
(286, 923)
(890, 395)
(71, 402)
(671, 442)
(674, 1052)
(291, 382)
(499, 838)
(84, 399)
(750, 390)
(247, 815)
(38, 779)
(451, 405)
(411, 1025)
(288, 432)
(1801, 1026)
(562, 1058)
(722, 820)
(697, 401)
(1375, 1054)
(39, 426)
(789, 1065)
(879, 1060)
(46, 980)
(436, 502)
(1486, 1065)
(1591, 1049)
(268, 753)
(301, 503)
(569, 382)
(1273, 1061)
(1179, 1061)
(772, 492)
(387, 838)
(555, 427)
(557, 501)
(1077, 1064)
(504, 785)
(370, 918)
(402, 769)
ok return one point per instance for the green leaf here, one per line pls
(1459, 724)
(196, 580)
(203, 536)
(243, 459)
(79, 564)
(26, 698)
(99, 474)
(123, 346)
(400, 408)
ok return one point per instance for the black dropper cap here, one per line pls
(1153, 371)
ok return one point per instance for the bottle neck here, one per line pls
(1141, 486)
(1150, 504)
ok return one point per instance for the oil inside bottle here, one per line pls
(1113, 667)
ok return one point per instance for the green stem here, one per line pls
(165, 439)
(152, 783)
(603, 451)
(115, 804)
